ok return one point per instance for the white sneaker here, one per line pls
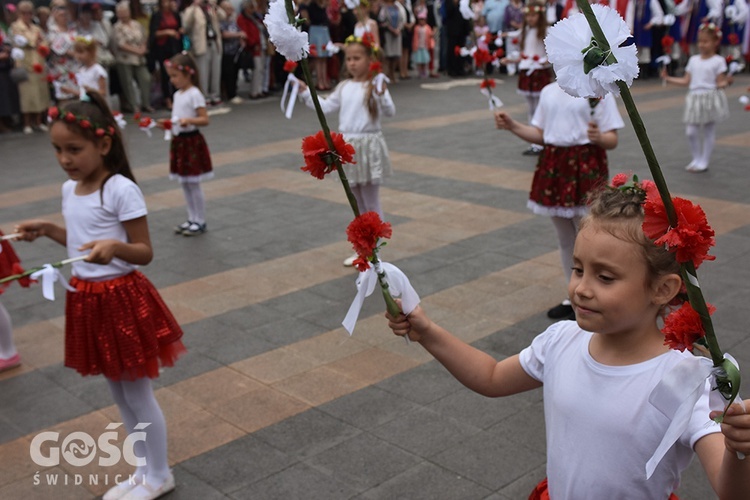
(349, 261)
(119, 491)
(42, 128)
(236, 100)
(28, 130)
(148, 492)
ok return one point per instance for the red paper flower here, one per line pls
(683, 327)
(319, 159)
(69, 117)
(361, 264)
(487, 83)
(457, 50)
(53, 113)
(482, 57)
(37, 68)
(137, 116)
(290, 66)
(364, 231)
(376, 67)
(84, 124)
(99, 132)
(666, 43)
(619, 180)
(733, 39)
(145, 122)
(167, 125)
(690, 240)
(499, 53)
(43, 51)
(313, 50)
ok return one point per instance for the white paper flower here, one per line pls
(566, 45)
(289, 41)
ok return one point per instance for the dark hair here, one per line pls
(184, 63)
(620, 213)
(541, 27)
(94, 108)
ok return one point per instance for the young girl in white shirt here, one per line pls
(91, 76)
(189, 158)
(705, 103)
(360, 105)
(116, 324)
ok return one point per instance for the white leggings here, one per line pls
(137, 404)
(567, 229)
(196, 202)
(532, 101)
(368, 198)
(701, 149)
(7, 348)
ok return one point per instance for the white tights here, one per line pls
(137, 404)
(701, 150)
(368, 198)
(7, 348)
(567, 229)
(196, 203)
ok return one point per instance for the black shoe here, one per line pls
(561, 311)
(532, 151)
(182, 227)
(194, 229)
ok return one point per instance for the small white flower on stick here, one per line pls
(289, 41)
(583, 68)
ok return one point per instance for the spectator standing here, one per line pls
(201, 23)
(61, 63)
(494, 14)
(315, 14)
(130, 59)
(513, 18)
(165, 41)
(246, 22)
(8, 89)
(392, 18)
(406, 39)
(233, 43)
(365, 23)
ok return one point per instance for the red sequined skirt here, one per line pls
(120, 328)
(535, 82)
(189, 158)
(9, 264)
(541, 492)
(564, 176)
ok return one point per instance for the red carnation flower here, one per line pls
(43, 51)
(650, 187)
(290, 66)
(319, 159)
(733, 39)
(683, 327)
(667, 42)
(145, 122)
(53, 113)
(457, 50)
(499, 53)
(487, 83)
(619, 180)
(690, 240)
(482, 57)
(38, 68)
(361, 264)
(137, 116)
(84, 124)
(69, 117)
(364, 231)
(72, 77)
(313, 50)
(167, 125)
(376, 67)
(99, 132)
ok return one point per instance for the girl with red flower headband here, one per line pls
(534, 72)
(360, 104)
(705, 103)
(599, 371)
(116, 323)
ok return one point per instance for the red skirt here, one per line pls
(120, 328)
(541, 492)
(189, 156)
(565, 175)
(9, 265)
(535, 82)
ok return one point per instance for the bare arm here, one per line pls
(33, 229)
(200, 121)
(475, 369)
(606, 140)
(137, 250)
(528, 133)
(683, 81)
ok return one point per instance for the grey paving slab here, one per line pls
(369, 408)
(298, 481)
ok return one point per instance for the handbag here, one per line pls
(244, 60)
(19, 75)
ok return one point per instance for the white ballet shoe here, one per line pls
(119, 491)
(148, 492)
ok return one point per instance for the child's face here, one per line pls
(532, 19)
(707, 43)
(179, 79)
(82, 159)
(357, 61)
(610, 287)
(83, 56)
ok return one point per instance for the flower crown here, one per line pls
(84, 39)
(709, 26)
(367, 40)
(179, 67)
(533, 8)
(54, 113)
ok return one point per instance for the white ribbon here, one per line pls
(291, 87)
(174, 131)
(332, 48)
(494, 100)
(399, 287)
(17, 54)
(120, 120)
(499, 40)
(148, 128)
(665, 60)
(379, 80)
(20, 40)
(669, 19)
(744, 100)
(735, 67)
(465, 9)
(676, 395)
(49, 275)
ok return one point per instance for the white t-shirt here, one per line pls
(703, 72)
(185, 105)
(532, 46)
(89, 77)
(601, 428)
(348, 98)
(564, 119)
(96, 217)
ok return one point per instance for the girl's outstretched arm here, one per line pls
(729, 475)
(33, 229)
(475, 369)
(137, 250)
(528, 133)
(683, 81)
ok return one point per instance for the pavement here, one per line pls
(274, 400)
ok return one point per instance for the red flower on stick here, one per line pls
(482, 57)
(167, 124)
(487, 83)
(37, 68)
(733, 39)
(683, 327)
(499, 53)
(290, 66)
(43, 51)
(666, 43)
(363, 233)
(690, 240)
(457, 50)
(319, 159)
(376, 67)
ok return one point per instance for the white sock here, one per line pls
(7, 347)
(368, 198)
(693, 133)
(195, 201)
(188, 201)
(566, 229)
(709, 139)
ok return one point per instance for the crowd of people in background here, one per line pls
(229, 43)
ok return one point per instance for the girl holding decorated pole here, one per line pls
(360, 102)
(116, 324)
(9, 265)
(705, 104)
(609, 432)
